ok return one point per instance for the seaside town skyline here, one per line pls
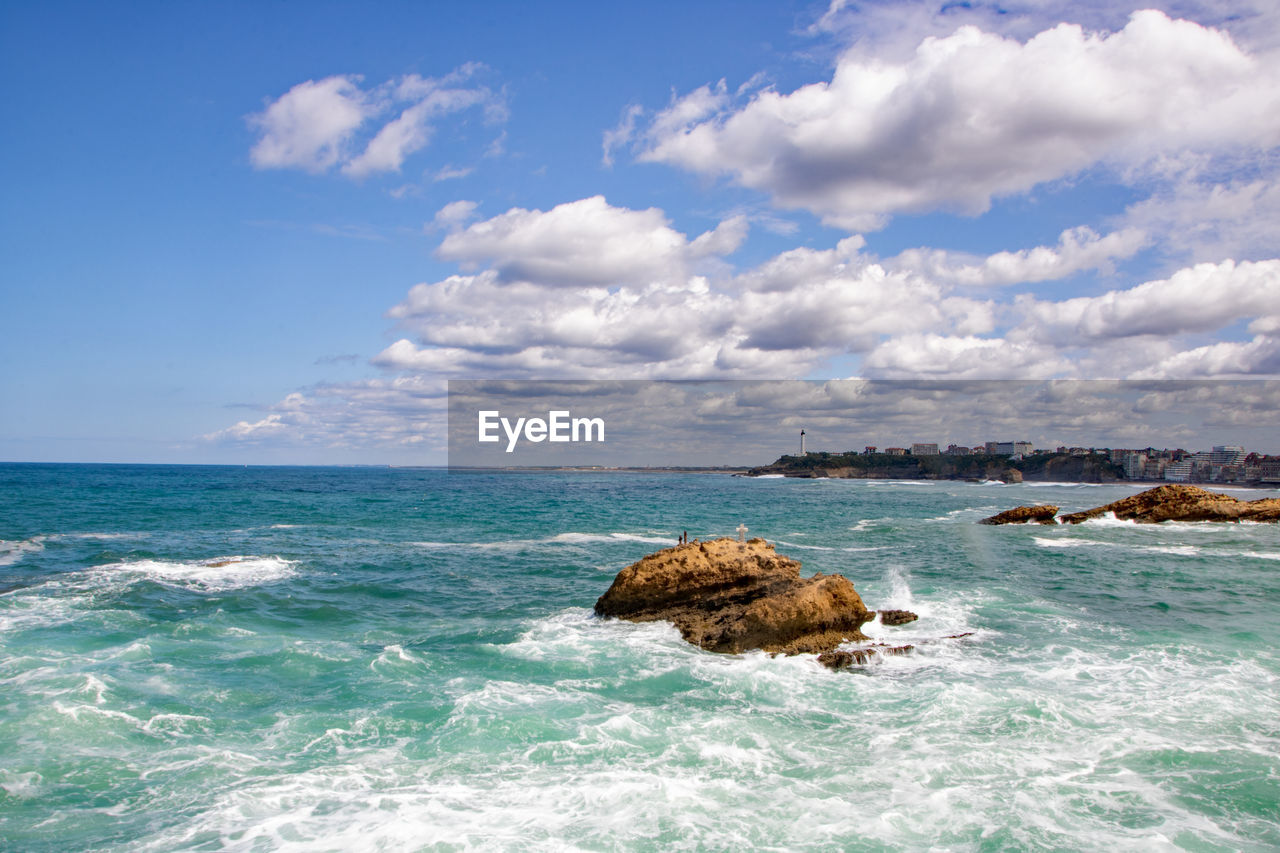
(1220, 464)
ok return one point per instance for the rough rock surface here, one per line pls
(1042, 514)
(897, 617)
(729, 596)
(845, 658)
(1177, 502)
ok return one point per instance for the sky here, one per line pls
(270, 233)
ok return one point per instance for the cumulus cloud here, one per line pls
(310, 126)
(1201, 219)
(588, 289)
(1079, 249)
(318, 125)
(1202, 298)
(454, 214)
(585, 242)
(1258, 357)
(967, 357)
(591, 290)
(976, 115)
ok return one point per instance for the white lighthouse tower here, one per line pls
(802, 442)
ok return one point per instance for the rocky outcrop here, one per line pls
(729, 596)
(845, 658)
(1177, 502)
(1042, 514)
(897, 617)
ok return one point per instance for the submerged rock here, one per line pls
(845, 658)
(1041, 514)
(729, 596)
(1177, 502)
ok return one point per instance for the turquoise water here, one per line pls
(371, 659)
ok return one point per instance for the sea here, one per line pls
(386, 659)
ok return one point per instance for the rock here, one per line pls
(729, 596)
(1042, 514)
(897, 617)
(1177, 502)
(845, 658)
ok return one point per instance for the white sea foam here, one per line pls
(1046, 542)
(11, 550)
(568, 538)
(396, 662)
(585, 538)
(218, 574)
(21, 786)
(806, 547)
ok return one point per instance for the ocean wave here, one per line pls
(569, 538)
(219, 574)
(805, 547)
(11, 550)
(1054, 484)
(1046, 542)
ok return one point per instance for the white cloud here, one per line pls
(387, 414)
(1206, 220)
(621, 134)
(454, 214)
(1258, 357)
(585, 242)
(968, 357)
(1203, 298)
(591, 290)
(317, 125)
(976, 115)
(1078, 250)
(310, 126)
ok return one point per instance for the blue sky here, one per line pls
(271, 232)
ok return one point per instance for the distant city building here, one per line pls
(1009, 448)
(958, 450)
(895, 451)
(990, 448)
(868, 450)
(1227, 454)
(1225, 463)
(920, 449)
(1135, 464)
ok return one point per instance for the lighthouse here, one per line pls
(802, 442)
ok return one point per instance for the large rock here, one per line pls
(1177, 502)
(1042, 514)
(729, 596)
